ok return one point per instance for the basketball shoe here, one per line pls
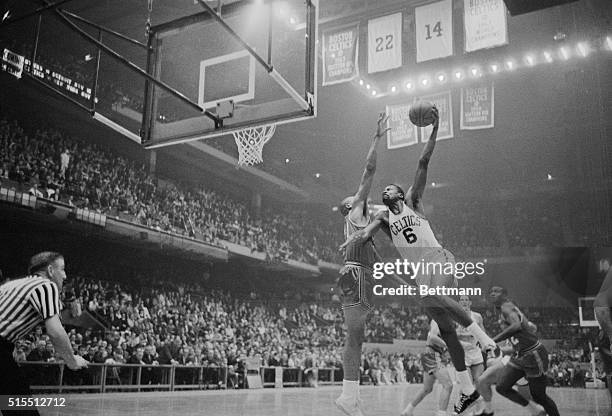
(349, 407)
(466, 401)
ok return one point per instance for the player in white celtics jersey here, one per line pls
(405, 222)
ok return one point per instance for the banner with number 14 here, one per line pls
(434, 30)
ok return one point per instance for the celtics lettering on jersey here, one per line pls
(411, 233)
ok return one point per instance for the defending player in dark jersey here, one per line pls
(494, 371)
(406, 225)
(356, 279)
(530, 361)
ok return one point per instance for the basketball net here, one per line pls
(250, 142)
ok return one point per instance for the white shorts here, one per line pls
(432, 277)
(473, 357)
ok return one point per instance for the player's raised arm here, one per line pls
(359, 202)
(420, 179)
(381, 221)
(511, 316)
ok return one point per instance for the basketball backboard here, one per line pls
(253, 64)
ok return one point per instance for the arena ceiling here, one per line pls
(536, 131)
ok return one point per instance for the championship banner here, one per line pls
(434, 30)
(443, 103)
(485, 24)
(403, 133)
(385, 43)
(477, 107)
(340, 54)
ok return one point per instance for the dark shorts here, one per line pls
(356, 285)
(534, 363)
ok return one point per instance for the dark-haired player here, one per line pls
(407, 226)
(356, 279)
(530, 361)
(494, 370)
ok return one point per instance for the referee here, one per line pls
(24, 304)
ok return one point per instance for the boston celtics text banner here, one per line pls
(485, 24)
(402, 132)
(340, 54)
(477, 107)
(443, 103)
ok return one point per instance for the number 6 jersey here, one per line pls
(412, 235)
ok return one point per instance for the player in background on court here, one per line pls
(356, 280)
(407, 226)
(603, 306)
(494, 370)
(474, 360)
(434, 362)
(530, 361)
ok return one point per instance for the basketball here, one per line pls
(421, 113)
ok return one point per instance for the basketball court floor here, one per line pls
(378, 401)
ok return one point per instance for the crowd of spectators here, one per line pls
(51, 164)
(190, 325)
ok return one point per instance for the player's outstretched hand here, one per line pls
(436, 115)
(382, 122)
(80, 363)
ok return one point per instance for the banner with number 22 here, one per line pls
(385, 43)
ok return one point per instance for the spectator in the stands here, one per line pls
(65, 161)
(39, 353)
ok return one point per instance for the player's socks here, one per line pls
(488, 407)
(480, 335)
(350, 390)
(465, 382)
(408, 410)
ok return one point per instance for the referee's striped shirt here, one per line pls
(25, 303)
